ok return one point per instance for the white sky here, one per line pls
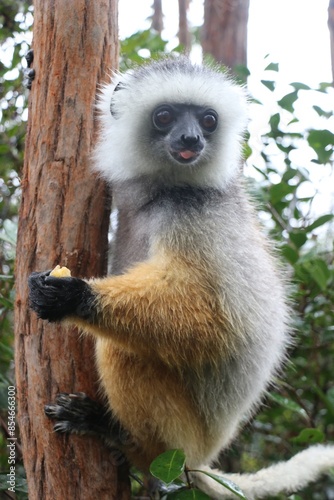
(293, 32)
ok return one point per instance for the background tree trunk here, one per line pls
(157, 17)
(64, 219)
(224, 33)
(184, 35)
(331, 31)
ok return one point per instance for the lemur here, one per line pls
(193, 322)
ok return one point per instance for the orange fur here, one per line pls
(168, 309)
(159, 319)
(151, 401)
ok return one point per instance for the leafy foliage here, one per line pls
(170, 466)
(132, 51)
(15, 19)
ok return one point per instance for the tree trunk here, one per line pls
(64, 219)
(157, 18)
(184, 35)
(331, 31)
(224, 33)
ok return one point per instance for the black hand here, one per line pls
(55, 298)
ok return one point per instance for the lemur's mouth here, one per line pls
(186, 155)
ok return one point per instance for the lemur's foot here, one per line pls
(29, 73)
(78, 414)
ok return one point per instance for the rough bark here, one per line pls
(63, 219)
(224, 33)
(331, 31)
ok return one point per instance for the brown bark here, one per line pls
(63, 219)
(225, 31)
(184, 35)
(331, 31)
(157, 18)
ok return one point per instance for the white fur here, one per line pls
(283, 477)
(128, 130)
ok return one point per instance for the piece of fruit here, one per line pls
(60, 272)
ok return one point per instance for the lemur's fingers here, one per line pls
(55, 298)
(77, 413)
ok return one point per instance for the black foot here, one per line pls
(78, 414)
(29, 73)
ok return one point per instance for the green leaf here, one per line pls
(309, 436)
(289, 174)
(319, 272)
(321, 112)
(241, 71)
(272, 67)
(274, 122)
(294, 120)
(289, 254)
(192, 494)
(278, 191)
(168, 466)
(319, 222)
(269, 84)
(286, 403)
(300, 86)
(298, 238)
(261, 171)
(288, 100)
(6, 303)
(322, 142)
(323, 86)
(326, 398)
(330, 395)
(224, 482)
(246, 151)
(5, 349)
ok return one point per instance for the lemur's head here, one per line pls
(173, 120)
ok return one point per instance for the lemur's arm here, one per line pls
(152, 308)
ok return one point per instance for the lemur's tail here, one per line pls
(283, 477)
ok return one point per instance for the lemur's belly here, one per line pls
(153, 404)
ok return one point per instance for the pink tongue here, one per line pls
(187, 154)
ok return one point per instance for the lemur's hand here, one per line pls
(55, 298)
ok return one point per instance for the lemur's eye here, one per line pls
(163, 117)
(209, 121)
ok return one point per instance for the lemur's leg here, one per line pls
(78, 414)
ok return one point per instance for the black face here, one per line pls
(183, 129)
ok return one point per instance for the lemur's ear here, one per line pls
(119, 86)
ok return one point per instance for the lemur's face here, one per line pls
(181, 131)
(176, 122)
